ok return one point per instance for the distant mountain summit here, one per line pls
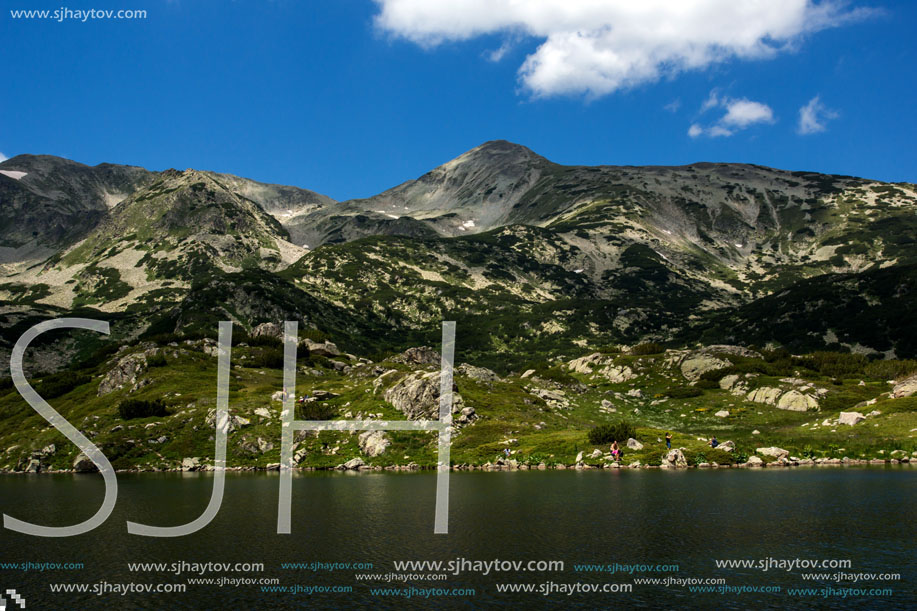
(48, 202)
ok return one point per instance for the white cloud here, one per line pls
(740, 114)
(3, 157)
(673, 106)
(813, 117)
(596, 47)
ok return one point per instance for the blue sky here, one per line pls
(351, 97)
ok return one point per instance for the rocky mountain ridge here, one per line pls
(531, 257)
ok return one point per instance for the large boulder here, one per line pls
(726, 446)
(373, 443)
(191, 464)
(633, 444)
(696, 365)
(754, 461)
(850, 418)
(351, 465)
(795, 401)
(773, 452)
(765, 394)
(82, 464)
(905, 388)
(325, 348)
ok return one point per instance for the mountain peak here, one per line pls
(496, 150)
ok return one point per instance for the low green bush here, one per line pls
(683, 392)
(619, 431)
(317, 410)
(141, 408)
(60, 384)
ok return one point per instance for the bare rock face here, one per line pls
(373, 443)
(905, 388)
(125, 373)
(421, 355)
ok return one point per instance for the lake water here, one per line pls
(685, 518)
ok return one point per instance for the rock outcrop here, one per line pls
(351, 465)
(482, 374)
(675, 459)
(905, 388)
(125, 373)
(325, 348)
(696, 365)
(268, 329)
(417, 396)
(603, 365)
(421, 355)
(796, 401)
(765, 394)
(82, 464)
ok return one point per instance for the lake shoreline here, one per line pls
(496, 467)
